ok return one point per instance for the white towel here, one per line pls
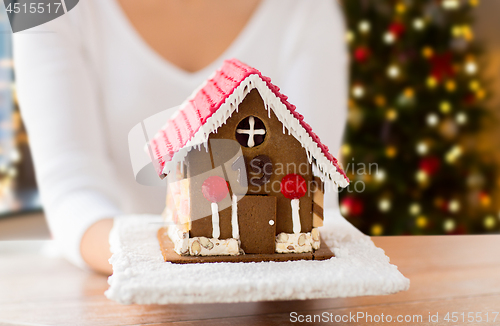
(140, 275)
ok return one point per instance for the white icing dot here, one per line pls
(271, 222)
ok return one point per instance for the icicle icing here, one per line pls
(325, 168)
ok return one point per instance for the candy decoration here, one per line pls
(215, 189)
(293, 186)
(263, 165)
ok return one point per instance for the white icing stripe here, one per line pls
(325, 168)
(215, 221)
(234, 218)
(295, 216)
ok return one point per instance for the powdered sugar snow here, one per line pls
(140, 275)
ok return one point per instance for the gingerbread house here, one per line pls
(246, 173)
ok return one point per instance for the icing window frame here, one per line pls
(247, 129)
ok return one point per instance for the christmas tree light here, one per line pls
(416, 98)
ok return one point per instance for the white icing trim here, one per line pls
(316, 172)
(295, 216)
(234, 218)
(325, 168)
(215, 221)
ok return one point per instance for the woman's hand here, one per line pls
(95, 246)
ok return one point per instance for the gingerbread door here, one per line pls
(257, 224)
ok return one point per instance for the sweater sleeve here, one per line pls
(316, 71)
(59, 101)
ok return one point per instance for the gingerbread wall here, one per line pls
(286, 154)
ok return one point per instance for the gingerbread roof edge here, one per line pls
(213, 103)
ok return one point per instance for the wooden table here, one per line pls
(447, 273)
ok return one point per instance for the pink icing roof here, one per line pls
(195, 112)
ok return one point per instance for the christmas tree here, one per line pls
(8, 153)
(416, 103)
(17, 180)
